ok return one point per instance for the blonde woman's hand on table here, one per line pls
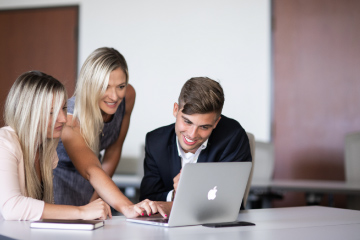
(147, 208)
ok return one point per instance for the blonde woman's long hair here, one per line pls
(90, 87)
(34, 100)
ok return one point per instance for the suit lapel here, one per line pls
(204, 154)
(175, 160)
(203, 157)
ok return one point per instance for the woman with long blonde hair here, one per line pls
(98, 119)
(35, 114)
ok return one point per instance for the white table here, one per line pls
(312, 222)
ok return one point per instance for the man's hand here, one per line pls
(176, 182)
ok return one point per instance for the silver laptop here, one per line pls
(206, 193)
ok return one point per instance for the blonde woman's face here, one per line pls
(59, 124)
(114, 93)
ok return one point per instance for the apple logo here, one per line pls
(212, 193)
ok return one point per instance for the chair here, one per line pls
(352, 157)
(263, 172)
(265, 161)
(252, 151)
(352, 165)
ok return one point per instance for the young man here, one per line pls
(200, 134)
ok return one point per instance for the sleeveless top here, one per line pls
(70, 188)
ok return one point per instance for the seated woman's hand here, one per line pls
(148, 208)
(97, 209)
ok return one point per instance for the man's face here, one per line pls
(193, 130)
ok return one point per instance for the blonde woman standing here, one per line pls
(98, 119)
(35, 113)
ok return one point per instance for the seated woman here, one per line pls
(35, 113)
(98, 119)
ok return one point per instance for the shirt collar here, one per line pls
(181, 151)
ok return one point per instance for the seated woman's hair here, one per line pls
(33, 102)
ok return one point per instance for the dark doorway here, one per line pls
(44, 39)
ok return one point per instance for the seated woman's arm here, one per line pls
(97, 209)
(15, 206)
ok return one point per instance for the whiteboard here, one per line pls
(167, 42)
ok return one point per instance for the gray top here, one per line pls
(69, 186)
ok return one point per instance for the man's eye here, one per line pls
(205, 128)
(122, 87)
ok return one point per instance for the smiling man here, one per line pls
(200, 134)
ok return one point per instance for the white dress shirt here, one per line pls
(185, 159)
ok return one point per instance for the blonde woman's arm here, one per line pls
(113, 152)
(88, 165)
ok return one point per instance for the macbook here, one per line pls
(207, 193)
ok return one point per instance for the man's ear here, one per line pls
(176, 109)
(217, 121)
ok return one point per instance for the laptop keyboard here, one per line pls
(162, 220)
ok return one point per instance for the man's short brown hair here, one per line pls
(201, 95)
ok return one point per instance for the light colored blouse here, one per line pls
(14, 203)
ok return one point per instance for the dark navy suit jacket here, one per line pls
(228, 142)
